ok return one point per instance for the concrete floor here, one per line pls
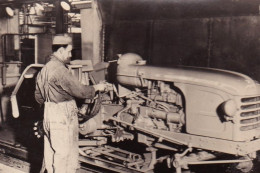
(8, 169)
(19, 149)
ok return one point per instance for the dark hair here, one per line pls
(55, 47)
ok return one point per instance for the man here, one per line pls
(57, 88)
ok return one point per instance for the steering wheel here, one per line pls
(89, 110)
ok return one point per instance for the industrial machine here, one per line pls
(177, 116)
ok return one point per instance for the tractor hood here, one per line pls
(228, 81)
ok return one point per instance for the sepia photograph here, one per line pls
(129, 86)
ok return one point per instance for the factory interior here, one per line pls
(184, 74)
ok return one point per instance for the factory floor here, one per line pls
(20, 150)
(7, 134)
(9, 169)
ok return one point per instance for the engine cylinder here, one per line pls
(173, 117)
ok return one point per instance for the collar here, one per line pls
(55, 58)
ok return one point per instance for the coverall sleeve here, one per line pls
(71, 85)
(38, 95)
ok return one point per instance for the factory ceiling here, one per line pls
(165, 9)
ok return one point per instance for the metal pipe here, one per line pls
(107, 153)
(218, 162)
(86, 159)
(4, 68)
(60, 27)
(36, 49)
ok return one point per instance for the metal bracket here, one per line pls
(178, 162)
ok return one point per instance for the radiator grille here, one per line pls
(250, 113)
(250, 99)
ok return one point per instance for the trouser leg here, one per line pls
(48, 155)
(72, 164)
(60, 143)
(62, 126)
(43, 168)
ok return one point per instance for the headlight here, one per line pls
(230, 108)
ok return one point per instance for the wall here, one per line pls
(126, 37)
(91, 33)
(223, 42)
(236, 45)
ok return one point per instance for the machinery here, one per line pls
(177, 116)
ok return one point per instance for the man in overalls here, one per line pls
(57, 88)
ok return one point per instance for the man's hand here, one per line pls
(100, 87)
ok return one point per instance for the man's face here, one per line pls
(66, 54)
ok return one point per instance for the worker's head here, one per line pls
(62, 47)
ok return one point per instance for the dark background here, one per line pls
(209, 33)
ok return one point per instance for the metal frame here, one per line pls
(15, 109)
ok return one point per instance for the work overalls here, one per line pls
(61, 136)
